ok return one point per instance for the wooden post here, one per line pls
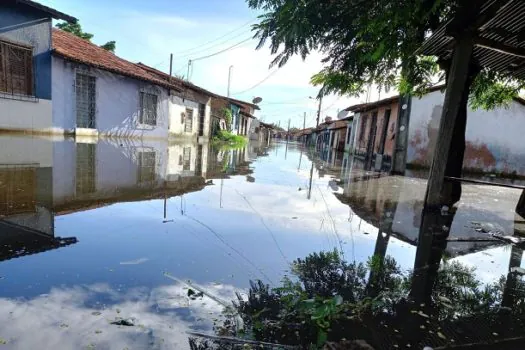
(457, 83)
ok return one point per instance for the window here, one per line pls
(85, 86)
(348, 134)
(188, 126)
(85, 168)
(186, 156)
(202, 116)
(146, 165)
(16, 69)
(148, 109)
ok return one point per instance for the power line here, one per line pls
(221, 51)
(218, 38)
(259, 83)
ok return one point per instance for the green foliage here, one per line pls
(110, 46)
(76, 29)
(230, 139)
(368, 42)
(228, 117)
(328, 299)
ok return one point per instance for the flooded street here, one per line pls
(114, 244)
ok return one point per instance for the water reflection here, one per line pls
(133, 212)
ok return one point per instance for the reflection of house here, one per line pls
(25, 64)
(394, 205)
(189, 108)
(97, 92)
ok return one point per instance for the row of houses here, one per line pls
(375, 134)
(52, 81)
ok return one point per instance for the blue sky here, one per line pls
(148, 31)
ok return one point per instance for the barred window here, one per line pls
(188, 126)
(16, 69)
(146, 167)
(186, 156)
(148, 109)
(85, 86)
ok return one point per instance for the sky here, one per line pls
(148, 31)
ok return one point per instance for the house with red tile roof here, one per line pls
(25, 69)
(95, 92)
(189, 107)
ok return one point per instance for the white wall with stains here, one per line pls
(117, 102)
(494, 139)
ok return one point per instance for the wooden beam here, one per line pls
(500, 47)
(456, 85)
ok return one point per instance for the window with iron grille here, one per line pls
(85, 87)
(188, 126)
(147, 165)
(148, 109)
(16, 69)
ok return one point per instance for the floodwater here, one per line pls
(101, 240)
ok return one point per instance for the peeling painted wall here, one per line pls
(494, 139)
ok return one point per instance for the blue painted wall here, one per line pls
(26, 25)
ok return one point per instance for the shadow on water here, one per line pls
(148, 244)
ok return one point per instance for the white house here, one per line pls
(95, 92)
(25, 65)
(189, 108)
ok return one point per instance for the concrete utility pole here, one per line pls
(304, 121)
(188, 74)
(171, 65)
(319, 111)
(229, 79)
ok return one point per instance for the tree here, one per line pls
(76, 29)
(374, 42)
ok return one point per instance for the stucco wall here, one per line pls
(365, 120)
(30, 115)
(494, 139)
(178, 105)
(117, 102)
(31, 27)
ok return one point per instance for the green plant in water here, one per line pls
(226, 137)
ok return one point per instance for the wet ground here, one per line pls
(104, 242)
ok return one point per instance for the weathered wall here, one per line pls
(178, 105)
(29, 26)
(494, 139)
(28, 115)
(117, 102)
(365, 121)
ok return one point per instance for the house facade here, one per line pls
(26, 65)
(189, 108)
(338, 131)
(486, 149)
(96, 92)
(373, 132)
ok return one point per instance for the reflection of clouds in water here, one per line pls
(68, 318)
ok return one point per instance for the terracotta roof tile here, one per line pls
(177, 81)
(79, 50)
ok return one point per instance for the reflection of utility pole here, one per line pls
(310, 184)
(300, 158)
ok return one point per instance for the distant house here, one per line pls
(189, 108)
(374, 127)
(96, 92)
(25, 64)
(242, 114)
(338, 131)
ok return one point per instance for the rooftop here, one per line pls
(175, 80)
(52, 12)
(79, 50)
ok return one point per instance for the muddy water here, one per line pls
(102, 231)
